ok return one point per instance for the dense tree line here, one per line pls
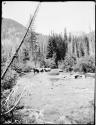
(57, 48)
(69, 48)
(33, 54)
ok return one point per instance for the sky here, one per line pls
(53, 16)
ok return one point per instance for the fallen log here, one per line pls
(15, 104)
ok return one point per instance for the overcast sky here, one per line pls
(53, 16)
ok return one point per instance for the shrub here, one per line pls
(9, 80)
(50, 63)
(28, 67)
(61, 64)
(43, 63)
(22, 67)
(85, 64)
(68, 63)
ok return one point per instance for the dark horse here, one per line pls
(35, 70)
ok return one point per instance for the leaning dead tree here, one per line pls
(2, 77)
(31, 22)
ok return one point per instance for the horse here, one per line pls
(35, 70)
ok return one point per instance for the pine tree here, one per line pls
(57, 47)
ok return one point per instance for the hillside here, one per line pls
(11, 28)
(12, 32)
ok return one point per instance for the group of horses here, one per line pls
(37, 70)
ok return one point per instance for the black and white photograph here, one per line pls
(48, 62)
